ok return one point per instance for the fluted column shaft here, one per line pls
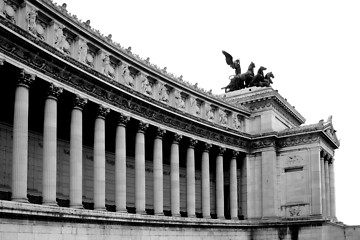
(220, 185)
(332, 189)
(99, 159)
(140, 168)
(20, 138)
(233, 187)
(175, 176)
(205, 182)
(323, 187)
(190, 179)
(76, 153)
(50, 146)
(158, 172)
(120, 164)
(327, 187)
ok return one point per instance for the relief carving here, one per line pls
(125, 73)
(83, 50)
(210, 113)
(9, 10)
(60, 42)
(163, 93)
(146, 87)
(179, 101)
(294, 211)
(106, 67)
(31, 21)
(295, 160)
(237, 123)
(223, 119)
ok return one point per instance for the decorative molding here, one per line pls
(123, 119)
(79, 102)
(235, 153)
(102, 111)
(160, 133)
(142, 126)
(177, 138)
(192, 142)
(25, 79)
(298, 140)
(222, 151)
(207, 147)
(54, 91)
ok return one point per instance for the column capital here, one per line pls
(177, 138)
(2, 61)
(222, 150)
(102, 112)
(142, 126)
(54, 91)
(331, 160)
(79, 102)
(192, 142)
(207, 147)
(160, 133)
(26, 79)
(235, 153)
(123, 119)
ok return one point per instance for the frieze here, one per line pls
(59, 71)
(298, 140)
(263, 143)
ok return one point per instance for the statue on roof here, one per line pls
(247, 79)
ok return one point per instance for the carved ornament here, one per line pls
(102, 112)
(26, 79)
(142, 126)
(192, 142)
(298, 140)
(222, 151)
(123, 119)
(177, 138)
(79, 102)
(54, 91)
(160, 132)
(235, 153)
(207, 147)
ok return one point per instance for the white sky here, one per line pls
(312, 47)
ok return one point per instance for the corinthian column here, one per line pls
(190, 178)
(76, 150)
(323, 188)
(233, 187)
(158, 172)
(327, 185)
(50, 146)
(175, 176)
(120, 164)
(99, 158)
(332, 189)
(20, 137)
(220, 184)
(140, 168)
(205, 182)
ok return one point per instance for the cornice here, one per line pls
(105, 42)
(126, 99)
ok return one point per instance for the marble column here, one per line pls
(20, 137)
(99, 158)
(158, 172)
(332, 189)
(50, 146)
(220, 212)
(233, 187)
(205, 181)
(327, 186)
(76, 152)
(323, 188)
(120, 163)
(175, 176)
(190, 178)
(140, 168)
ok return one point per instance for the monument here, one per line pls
(97, 142)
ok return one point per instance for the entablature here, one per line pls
(69, 38)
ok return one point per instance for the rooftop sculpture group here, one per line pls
(247, 79)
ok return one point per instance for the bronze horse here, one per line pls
(241, 80)
(258, 78)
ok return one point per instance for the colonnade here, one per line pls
(327, 186)
(20, 158)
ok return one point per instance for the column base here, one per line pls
(176, 215)
(122, 210)
(52, 204)
(77, 206)
(141, 212)
(191, 216)
(100, 209)
(206, 217)
(221, 218)
(20, 200)
(159, 214)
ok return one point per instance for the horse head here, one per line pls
(261, 70)
(269, 75)
(251, 66)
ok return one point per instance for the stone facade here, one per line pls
(97, 142)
